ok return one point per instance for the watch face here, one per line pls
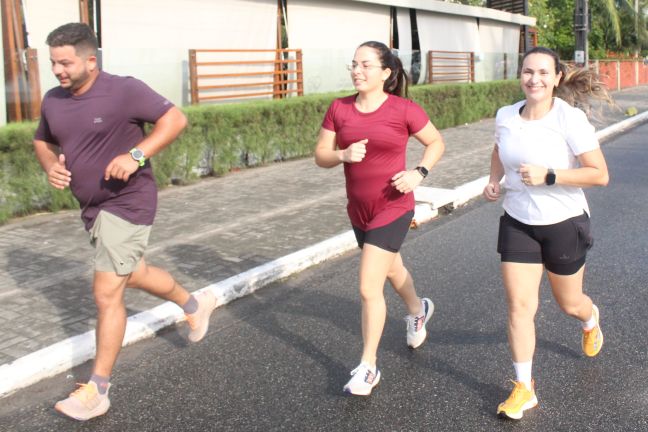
(137, 154)
(422, 170)
(550, 179)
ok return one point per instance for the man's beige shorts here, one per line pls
(119, 244)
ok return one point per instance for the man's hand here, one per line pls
(57, 175)
(121, 167)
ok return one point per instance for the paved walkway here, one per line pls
(205, 233)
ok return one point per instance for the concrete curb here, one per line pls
(73, 351)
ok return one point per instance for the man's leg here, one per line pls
(160, 283)
(111, 320)
(91, 399)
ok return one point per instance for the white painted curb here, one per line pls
(616, 128)
(73, 351)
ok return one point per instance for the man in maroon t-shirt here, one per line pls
(91, 138)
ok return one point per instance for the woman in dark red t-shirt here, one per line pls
(368, 132)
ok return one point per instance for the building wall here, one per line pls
(328, 32)
(41, 17)
(150, 39)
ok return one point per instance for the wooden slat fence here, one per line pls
(451, 66)
(221, 74)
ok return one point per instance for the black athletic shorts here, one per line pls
(389, 237)
(561, 247)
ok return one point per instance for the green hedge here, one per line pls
(220, 138)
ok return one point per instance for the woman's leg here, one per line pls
(374, 265)
(568, 292)
(402, 282)
(522, 285)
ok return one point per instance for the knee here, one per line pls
(107, 300)
(397, 276)
(371, 293)
(522, 310)
(571, 309)
(135, 278)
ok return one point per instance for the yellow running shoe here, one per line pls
(593, 339)
(520, 400)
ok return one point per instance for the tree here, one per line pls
(555, 24)
(612, 29)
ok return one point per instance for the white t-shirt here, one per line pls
(553, 141)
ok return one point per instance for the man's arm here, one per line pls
(166, 129)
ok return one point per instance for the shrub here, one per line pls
(221, 138)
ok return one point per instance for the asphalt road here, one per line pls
(277, 360)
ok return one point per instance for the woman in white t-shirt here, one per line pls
(546, 150)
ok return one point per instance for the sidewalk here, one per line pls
(204, 233)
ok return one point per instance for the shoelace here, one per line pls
(414, 322)
(85, 392)
(517, 391)
(369, 376)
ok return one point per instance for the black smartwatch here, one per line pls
(422, 170)
(550, 178)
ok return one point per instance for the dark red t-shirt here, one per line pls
(373, 202)
(95, 127)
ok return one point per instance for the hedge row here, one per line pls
(220, 138)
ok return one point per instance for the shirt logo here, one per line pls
(97, 120)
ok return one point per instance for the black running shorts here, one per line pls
(561, 247)
(389, 237)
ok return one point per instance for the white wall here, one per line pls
(496, 39)
(150, 39)
(328, 32)
(41, 17)
(445, 33)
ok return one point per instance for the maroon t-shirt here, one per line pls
(95, 127)
(373, 202)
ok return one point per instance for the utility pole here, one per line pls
(636, 29)
(581, 28)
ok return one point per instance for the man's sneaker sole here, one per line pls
(99, 410)
(518, 415)
(415, 345)
(368, 392)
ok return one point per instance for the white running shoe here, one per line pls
(199, 320)
(363, 379)
(416, 332)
